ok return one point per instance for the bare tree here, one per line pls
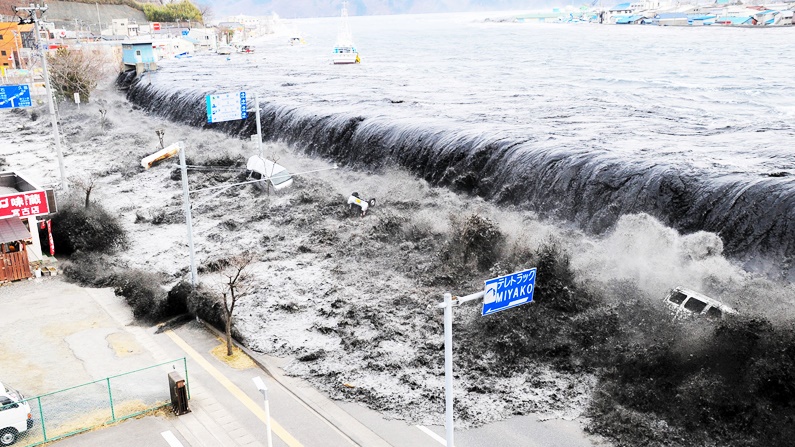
(77, 71)
(237, 283)
(86, 184)
(103, 110)
(206, 10)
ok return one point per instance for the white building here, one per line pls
(206, 38)
(123, 27)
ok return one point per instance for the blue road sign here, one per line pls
(509, 291)
(226, 107)
(184, 32)
(13, 96)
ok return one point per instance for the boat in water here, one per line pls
(345, 51)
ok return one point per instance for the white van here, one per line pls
(263, 169)
(15, 417)
(684, 302)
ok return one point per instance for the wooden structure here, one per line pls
(14, 263)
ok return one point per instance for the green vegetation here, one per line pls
(182, 11)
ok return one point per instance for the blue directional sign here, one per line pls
(226, 107)
(13, 96)
(185, 32)
(509, 291)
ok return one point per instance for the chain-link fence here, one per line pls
(36, 420)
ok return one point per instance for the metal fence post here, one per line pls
(41, 418)
(110, 395)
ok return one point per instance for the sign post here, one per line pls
(259, 127)
(77, 100)
(498, 294)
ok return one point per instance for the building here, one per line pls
(22, 203)
(205, 38)
(123, 27)
(138, 56)
(15, 40)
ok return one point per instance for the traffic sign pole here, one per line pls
(500, 293)
(448, 304)
(448, 368)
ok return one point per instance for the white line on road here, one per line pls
(171, 439)
(433, 435)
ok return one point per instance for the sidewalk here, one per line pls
(228, 410)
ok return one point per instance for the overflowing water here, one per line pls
(579, 122)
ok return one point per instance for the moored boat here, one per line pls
(345, 51)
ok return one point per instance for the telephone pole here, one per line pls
(33, 17)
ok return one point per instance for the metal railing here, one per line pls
(91, 405)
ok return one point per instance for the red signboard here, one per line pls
(24, 204)
(155, 26)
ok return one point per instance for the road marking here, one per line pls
(171, 439)
(277, 429)
(433, 435)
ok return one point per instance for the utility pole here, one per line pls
(33, 17)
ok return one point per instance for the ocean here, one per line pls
(579, 122)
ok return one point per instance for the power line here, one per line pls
(280, 175)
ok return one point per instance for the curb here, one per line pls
(371, 439)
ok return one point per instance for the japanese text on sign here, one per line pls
(31, 203)
(508, 291)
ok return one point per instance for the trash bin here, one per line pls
(179, 393)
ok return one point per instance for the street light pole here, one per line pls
(33, 10)
(186, 198)
(264, 390)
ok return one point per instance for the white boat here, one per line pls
(345, 51)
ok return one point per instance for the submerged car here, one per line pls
(224, 50)
(266, 171)
(685, 302)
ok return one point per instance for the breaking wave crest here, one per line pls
(752, 214)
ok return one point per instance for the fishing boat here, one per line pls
(345, 51)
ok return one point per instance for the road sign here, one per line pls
(226, 107)
(509, 291)
(155, 26)
(184, 32)
(13, 96)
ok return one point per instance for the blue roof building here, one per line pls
(137, 52)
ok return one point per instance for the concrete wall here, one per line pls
(65, 13)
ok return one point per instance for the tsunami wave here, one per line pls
(752, 213)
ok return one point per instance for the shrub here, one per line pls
(88, 270)
(204, 304)
(77, 228)
(142, 291)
